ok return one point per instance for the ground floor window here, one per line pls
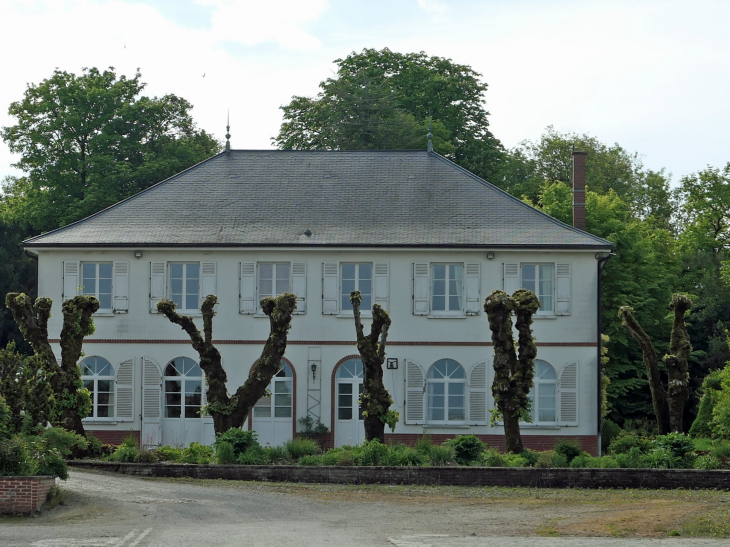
(183, 384)
(544, 393)
(97, 374)
(446, 392)
(278, 404)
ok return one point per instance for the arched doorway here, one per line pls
(273, 417)
(182, 397)
(349, 427)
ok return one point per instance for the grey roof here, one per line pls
(364, 198)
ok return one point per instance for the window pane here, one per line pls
(344, 413)
(105, 398)
(282, 412)
(283, 387)
(105, 286)
(173, 386)
(89, 284)
(265, 286)
(105, 270)
(89, 384)
(192, 270)
(176, 271)
(365, 287)
(104, 411)
(105, 385)
(282, 278)
(456, 409)
(528, 272)
(366, 303)
(348, 271)
(439, 271)
(439, 287)
(456, 389)
(547, 303)
(191, 302)
(282, 286)
(439, 303)
(346, 389)
(262, 412)
(105, 301)
(365, 271)
(172, 411)
(192, 412)
(283, 399)
(89, 270)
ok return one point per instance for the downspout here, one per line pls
(602, 258)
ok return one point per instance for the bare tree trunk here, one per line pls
(231, 411)
(676, 363)
(658, 393)
(375, 399)
(71, 404)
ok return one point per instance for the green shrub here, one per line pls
(332, 456)
(607, 462)
(680, 445)
(530, 456)
(15, 457)
(372, 453)
(551, 459)
(224, 453)
(129, 440)
(706, 462)
(346, 458)
(255, 455)
(631, 459)
(239, 439)
(467, 448)
(424, 443)
(401, 455)
(518, 460)
(721, 450)
(720, 423)
(627, 441)
(492, 458)
(198, 453)
(310, 460)
(710, 387)
(301, 447)
(50, 462)
(5, 418)
(660, 458)
(146, 456)
(441, 454)
(124, 453)
(568, 448)
(64, 441)
(169, 454)
(609, 431)
(276, 454)
(589, 462)
(96, 447)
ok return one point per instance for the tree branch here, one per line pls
(356, 300)
(167, 307)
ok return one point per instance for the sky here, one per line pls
(650, 75)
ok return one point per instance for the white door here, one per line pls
(349, 427)
(182, 385)
(273, 416)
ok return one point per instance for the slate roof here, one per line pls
(366, 198)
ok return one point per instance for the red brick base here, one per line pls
(24, 494)
(589, 443)
(114, 437)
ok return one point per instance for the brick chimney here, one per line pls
(579, 189)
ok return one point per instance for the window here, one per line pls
(96, 280)
(446, 287)
(97, 375)
(184, 285)
(183, 383)
(357, 277)
(349, 389)
(274, 279)
(544, 393)
(446, 392)
(279, 403)
(538, 278)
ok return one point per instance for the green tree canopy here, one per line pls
(89, 141)
(383, 100)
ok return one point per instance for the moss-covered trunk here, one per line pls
(375, 399)
(513, 376)
(231, 411)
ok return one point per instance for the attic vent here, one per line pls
(330, 269)
(472, 269)
(510, 270)
(421, 269)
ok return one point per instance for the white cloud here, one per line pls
(432, 6)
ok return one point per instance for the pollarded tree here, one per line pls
(230, 411)
(668, 402)
(513, 372)
(72, 400)
(375, 399)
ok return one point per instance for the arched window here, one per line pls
(349, 382)
(544, 393)
(98, 376)
(279, 403)
(183, 382)
(446, 392)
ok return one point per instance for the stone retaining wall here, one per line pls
(446, 476)
(24, 494)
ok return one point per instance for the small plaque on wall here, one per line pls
(392, 363)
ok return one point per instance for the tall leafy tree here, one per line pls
(383, 99)
(88, 141)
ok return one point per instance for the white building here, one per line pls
(412, 231)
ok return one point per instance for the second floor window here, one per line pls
(96, 280)
(538, 278)
(357, 277)
(447, 287)
(274, 279)
(184, 286)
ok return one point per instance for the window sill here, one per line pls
(538, 426)
(446, 426)
(544, 316)
(104, 314)
(445, 316)
(368, 315)
(109, 421)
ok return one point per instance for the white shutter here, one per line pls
(299, 286)
(125, 391)
(511, 278)
(414, 393)
(420, 288)
(568, 395)
(121, 287)
(473, 289)
(157, 284)
(151, 403)
(562, 276)
(247, 297)
(70, 280)
(330, 288)
(478, 395)
(207, 280)
(381, 287)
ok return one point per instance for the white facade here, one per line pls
(140, 343)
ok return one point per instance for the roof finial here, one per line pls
(430, 134)
(228, 132)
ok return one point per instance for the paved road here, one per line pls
(119, 511)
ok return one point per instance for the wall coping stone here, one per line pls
(687, 479)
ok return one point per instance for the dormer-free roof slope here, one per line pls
(248, 198)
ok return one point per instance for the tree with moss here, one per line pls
(375, 399)
(230, 411)
(513, 371)
(668, 402)
(72, 401)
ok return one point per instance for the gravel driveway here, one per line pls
(123, 511)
